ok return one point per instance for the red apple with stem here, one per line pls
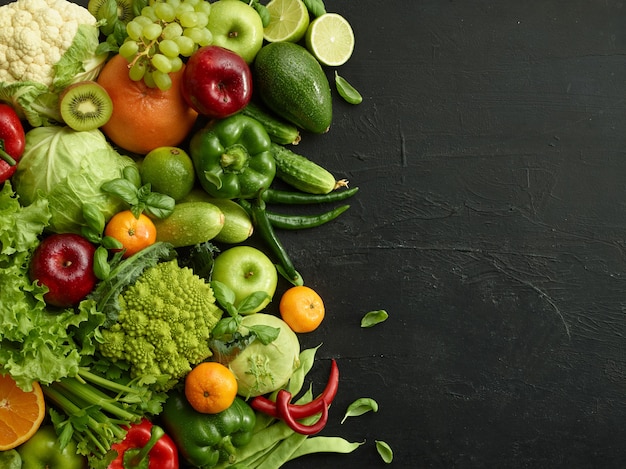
(216, 82)
(64, 263)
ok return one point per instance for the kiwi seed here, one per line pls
(85, 106)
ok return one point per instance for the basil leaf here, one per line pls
(122, 188)
(131, 174)
(110, 242)
(265, 334)
(359, 407)
(348, 92)
(101, 267)
(159, 205)
(251, 302)
(315, 7)
(374, 317)
(385, 451)
(94, 218)
(224, 295)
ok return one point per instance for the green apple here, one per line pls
(236, 26)
(246, 270)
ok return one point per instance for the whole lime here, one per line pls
(169, 171)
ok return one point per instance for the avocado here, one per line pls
(292, 83)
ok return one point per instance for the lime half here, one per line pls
(289, 20)
(330, 39)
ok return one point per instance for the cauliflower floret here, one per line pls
(39, 32)
(164, 324)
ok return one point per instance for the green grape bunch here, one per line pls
(161, 36)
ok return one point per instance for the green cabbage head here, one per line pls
(67, 168)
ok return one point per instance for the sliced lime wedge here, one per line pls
(330, 39)
(289, 20)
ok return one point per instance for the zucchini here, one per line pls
(302, 173)
(278, 130)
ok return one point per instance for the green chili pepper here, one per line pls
(232, 157)
(204, 440)
(277, 196)
(299, 222)
(266, 230)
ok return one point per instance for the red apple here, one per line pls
(216, 82)
(64, 263)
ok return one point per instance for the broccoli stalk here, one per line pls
(95, 411)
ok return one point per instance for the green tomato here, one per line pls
(246, 270)
(42, 451)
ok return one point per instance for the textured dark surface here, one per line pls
(490, 155)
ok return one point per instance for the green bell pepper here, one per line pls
(233, 157)
(204, 440)
(41, 451)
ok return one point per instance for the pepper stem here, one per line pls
(141, 455)
(235, 158)
(4, 156)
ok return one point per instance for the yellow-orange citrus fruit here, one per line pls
(210, 387)
(134, 233)
(144, 118)
(302, 308)
(21, 412)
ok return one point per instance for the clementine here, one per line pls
(144, 118)
(301, 308)
(210, 387)
(21, 412)
(134, 233)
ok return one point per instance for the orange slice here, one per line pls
(21, 412)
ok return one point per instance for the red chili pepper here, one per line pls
(283, 400)
(142, 441)
(12, 141)
(299, 411)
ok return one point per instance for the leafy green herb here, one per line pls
(360, 406)
(385, 451)
(315, 7)
(374, 317)
(227, 329)
(129, 189)
(261, 10)
(348, 92)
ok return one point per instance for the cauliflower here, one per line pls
(163, 326)
(45, 45)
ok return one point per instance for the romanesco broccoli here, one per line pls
(164, 324)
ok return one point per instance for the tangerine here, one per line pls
(301, 308)
(144, 118)
(21, 412)
(210, 387)
(134, 233)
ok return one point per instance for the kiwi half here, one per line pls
(108, 9)
(85, 106)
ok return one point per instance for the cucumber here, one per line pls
(302, 173)
(292, 83)
(190, 223)
(237, 223)
(278, 130)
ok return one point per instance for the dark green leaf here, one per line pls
(111, 243)
(131, 174)
(263, 13)
(348, 92)
(223, 294)
(90, 235)
(251, 302)
(360, 407)
(315, 7)
(101, 267)
(94, 218)
(374, 317)
(159, 205)
(122, 188)
(225, 327)
(265, 334)
(385, 451)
